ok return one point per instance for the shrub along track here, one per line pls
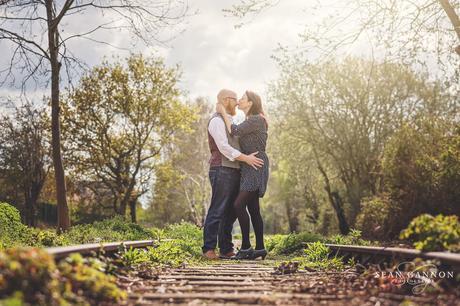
(257, 282)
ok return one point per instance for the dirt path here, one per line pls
(245, 283)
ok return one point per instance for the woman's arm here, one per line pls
(221, 110)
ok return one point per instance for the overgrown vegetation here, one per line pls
(430, 233)
(14, 233)
(291, 243)
(294, 244)
(316, 256)
(30, 275)
(12, 230)
(178, 244)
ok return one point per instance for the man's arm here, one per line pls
(217, 130)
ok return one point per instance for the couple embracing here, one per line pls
(238, 174)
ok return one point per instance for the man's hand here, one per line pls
(251, 160)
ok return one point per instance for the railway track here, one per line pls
(257, 282)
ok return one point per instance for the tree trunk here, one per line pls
(30, 206)
(122, 208)
(338, 204)
(293, 222)
(334, 199)
(63, 222)
(132, 206)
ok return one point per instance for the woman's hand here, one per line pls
(220, 109)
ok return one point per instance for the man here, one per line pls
(224, 175)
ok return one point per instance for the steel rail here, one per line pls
(87, 249)
(380, 254)
(365, 254)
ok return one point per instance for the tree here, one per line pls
(398, 28)
(421, 170)
(118, 120)
(181, 189)
(24, 156)
(343, 113)
(36, 32)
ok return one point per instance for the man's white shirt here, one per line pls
(217, 129)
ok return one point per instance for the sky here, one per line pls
(211, 52)
(214, 54)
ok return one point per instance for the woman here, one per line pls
(253, 184)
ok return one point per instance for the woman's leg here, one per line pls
(240, 204)
(257, 222)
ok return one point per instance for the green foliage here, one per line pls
(114, 229)
(9, 215)
(183, 230)
(169, 253)
(133, 257)
(128, 106)
(271, 241)
(376, 216)
(25, 155)
(291, 243)
(12, 231)
(30, 271)
(421, 170)
(181, 186)
(187, 236)
(434, 233)
(49, 238)
(16, 299)
(158, 233)
(179, 244)
(353, 238)
(316, 256)
(87, 275)
(30, 275)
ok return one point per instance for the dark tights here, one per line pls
(250, 199)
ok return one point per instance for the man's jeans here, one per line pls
(225, 184)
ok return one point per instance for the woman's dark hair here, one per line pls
(256, 108)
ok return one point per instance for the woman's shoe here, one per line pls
(244, 254)
(259, 253)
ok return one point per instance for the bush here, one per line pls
(353, 238)
(185, 231)
(187, 236)
(132, 257)
(375, 217)
(109, 230)
(12, 231)
(292, 243)
(32, 272)
(169, 253)
(421, 169)
(272, 241)
(48, 238)
(87, 276)
(434, 233)
(316, 256)
(30, 275)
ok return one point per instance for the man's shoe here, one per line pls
(211, 255)
(227, 255)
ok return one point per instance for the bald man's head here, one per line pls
(229, 99)
(225, 93)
